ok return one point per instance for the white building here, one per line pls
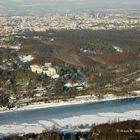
(49, 71)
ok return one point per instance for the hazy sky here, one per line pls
(41, 5)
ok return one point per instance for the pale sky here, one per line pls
(42, 5)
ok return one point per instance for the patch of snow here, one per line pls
(138, 79)
(15, 47)
(20, 129)
(55, 76)
(52, 40)
(68, 85)
(109, 96)
(26, 58)
(137, 92)
(118, 49)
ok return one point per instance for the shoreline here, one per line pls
(76, 101)
(74, 121)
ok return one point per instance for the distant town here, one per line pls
(68, 21)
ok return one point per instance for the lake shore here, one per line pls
(77, 100)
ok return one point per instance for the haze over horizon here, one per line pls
(26, 6)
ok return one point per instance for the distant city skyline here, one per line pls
(26, 6)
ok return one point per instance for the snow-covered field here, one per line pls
(71, 122)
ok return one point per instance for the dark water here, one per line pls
(32, 116)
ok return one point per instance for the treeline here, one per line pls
(127, 130)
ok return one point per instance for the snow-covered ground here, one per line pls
(26, 58)
(70, 122)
